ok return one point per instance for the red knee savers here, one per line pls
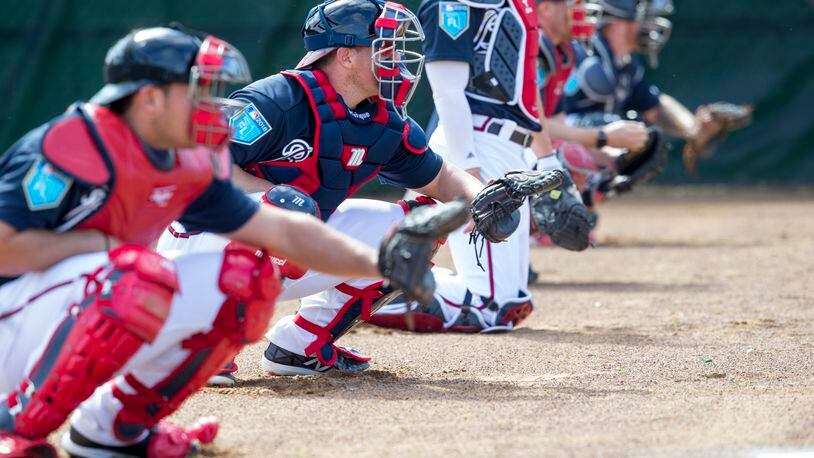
(250, 279)
(142, 290)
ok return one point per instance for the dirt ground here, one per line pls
(689, 331)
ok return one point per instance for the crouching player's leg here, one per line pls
(225, 302)
(66, 334)
(305, 343)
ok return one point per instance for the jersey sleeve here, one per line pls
(33, 194)
(222, 208)
(257, 130)
(447, 30)
(411, 171)
(643, 94)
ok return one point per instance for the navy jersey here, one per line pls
(36, 195)
(600, 84)
(276, 139)
(488, 38)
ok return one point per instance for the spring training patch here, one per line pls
(249, 126)
(44, 186)
(453, 18)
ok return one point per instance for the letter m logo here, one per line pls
(353, 156)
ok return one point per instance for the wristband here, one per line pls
(601, 138)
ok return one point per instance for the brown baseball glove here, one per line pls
(716, 121)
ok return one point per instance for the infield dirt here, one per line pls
(689, 331)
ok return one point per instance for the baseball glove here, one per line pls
(561, 215)
(494, 209)
(638, 167)
(715, 122)
(405, 253)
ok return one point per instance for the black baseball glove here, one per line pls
(494, 209)
(561, 215)
(404, 255)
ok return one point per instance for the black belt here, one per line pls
(521, 138)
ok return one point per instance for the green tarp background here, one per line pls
(748, 51)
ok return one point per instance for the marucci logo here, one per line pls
(297, 151)
(353, 156)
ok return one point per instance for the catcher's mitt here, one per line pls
(561, 215)
(715, 122)
(494, 208)
(404, 255)
(638, 167)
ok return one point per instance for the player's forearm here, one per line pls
(36, 250)
(674, 118)
(308, 242)
(452, 183)
(561, 131)
(248, 182)
(541, 141)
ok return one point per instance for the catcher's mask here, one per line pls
(585, 16)
(162, 55)
(392, 31)
(219, 68)
(656, 29)
(397, 61)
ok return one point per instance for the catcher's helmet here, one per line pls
(291, 198)
(161, 55)
(387, 27)
(628, 10)
(148, 56)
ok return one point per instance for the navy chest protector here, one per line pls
(347, 153)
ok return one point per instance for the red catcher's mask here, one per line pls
(219, 67)
(584, 18)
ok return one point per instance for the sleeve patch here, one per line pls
(249, 125)
(453, 18)
(44, 186)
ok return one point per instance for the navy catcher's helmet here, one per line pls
(162, 55)
(391, 30)
(628, 10)
(291, 198)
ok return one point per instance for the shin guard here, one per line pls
(125, 305)
(251, 284)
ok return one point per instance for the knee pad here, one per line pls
(125, 305)
(251, 284)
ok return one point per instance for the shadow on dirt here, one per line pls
(624, 336)
(622, 286)
(377, 384)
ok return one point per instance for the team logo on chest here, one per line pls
(353, 156)
(297, 150)
(161, 195)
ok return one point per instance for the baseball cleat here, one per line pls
(165, 440)
(226, 377)
(14, 446)
(279, 361)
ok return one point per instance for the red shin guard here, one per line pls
(251, 284)
(125, 305)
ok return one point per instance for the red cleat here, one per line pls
(14, 446)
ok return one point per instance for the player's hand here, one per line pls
(630, 135)
(405, 253)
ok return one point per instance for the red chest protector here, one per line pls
(96, 147)
(557, 63)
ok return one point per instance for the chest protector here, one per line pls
(347, 152)
(557, 63)
(137, 201)
(506, 48)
